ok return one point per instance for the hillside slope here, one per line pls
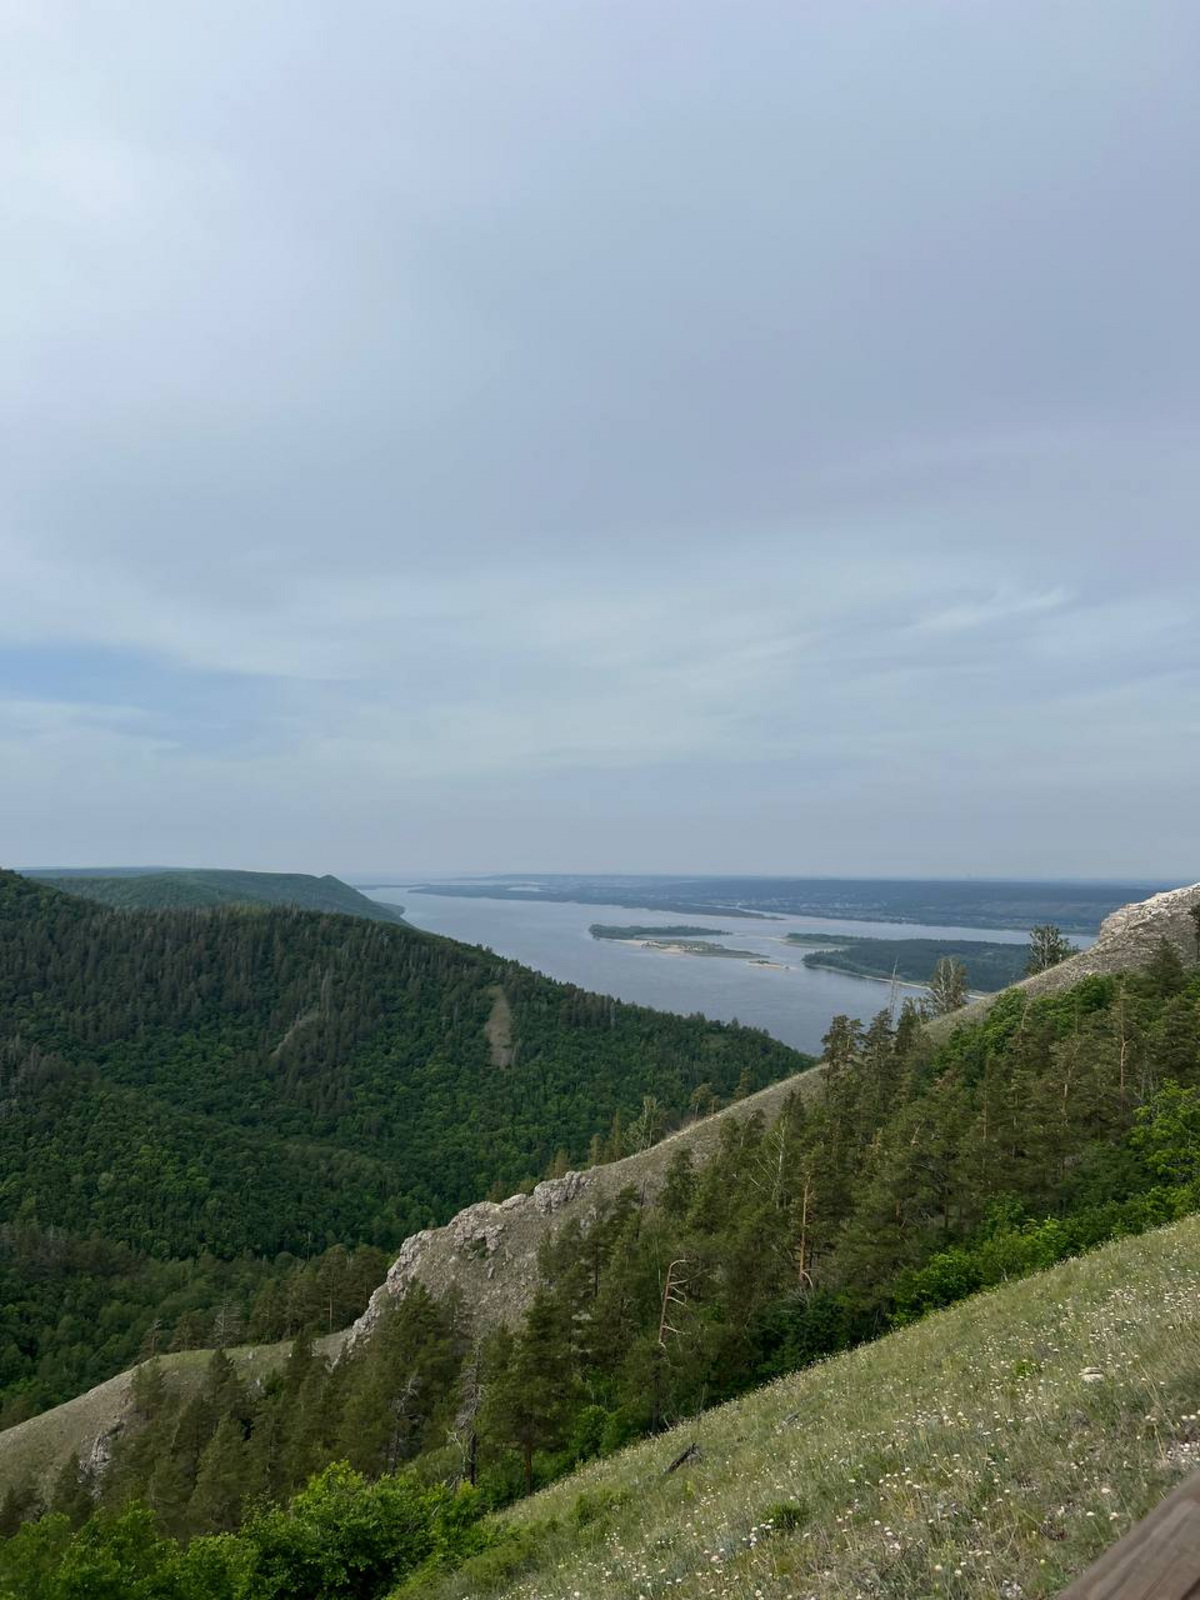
(202, 888)
(489, 1251)
(87, 1425)
(1127, 940)
(222, 1086)
(994, 1449)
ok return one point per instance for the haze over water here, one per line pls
(793, 1002)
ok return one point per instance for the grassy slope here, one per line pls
(201, 887)
(965, 1456)
(39, 1447)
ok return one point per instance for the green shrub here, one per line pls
(785, 1516)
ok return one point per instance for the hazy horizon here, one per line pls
(394, 877)
(749, 439)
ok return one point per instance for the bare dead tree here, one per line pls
(464, 1434)
(401, 1416)
(674, 1298)
(803, 1248)
(769, 1172)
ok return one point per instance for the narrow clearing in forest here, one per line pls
(499, 1029)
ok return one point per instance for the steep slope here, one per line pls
(87, 1426)
(218, 1085)
(204, 888)
(489, 1251)
(991, 1450)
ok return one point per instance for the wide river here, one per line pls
(789, 1000)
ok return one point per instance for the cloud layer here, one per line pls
(650, 437)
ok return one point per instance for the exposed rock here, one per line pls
(555, 1193)
(97, 1459)
(490, 1251)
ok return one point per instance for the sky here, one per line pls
(632, 435)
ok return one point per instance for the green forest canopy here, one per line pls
(189, 1095)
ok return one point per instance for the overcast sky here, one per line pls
(709, 435)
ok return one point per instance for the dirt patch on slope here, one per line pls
(498, 1028)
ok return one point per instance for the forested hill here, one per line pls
(212, 1088)
(203, 887)
(907, 1176)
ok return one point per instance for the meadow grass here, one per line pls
(994, 1449)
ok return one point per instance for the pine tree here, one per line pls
(679, 1186)
(21, 1503)
(216, 1502)
(73, 1495)
(532, 1385)
(268, 1319)
(1165, 972)
(192, 1332)
(169, 1491)
(149, 1390)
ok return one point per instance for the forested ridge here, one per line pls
(193, 1100)
(200, 887)
(918, 1174)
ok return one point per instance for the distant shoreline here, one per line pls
(702, 951)
(900, 983)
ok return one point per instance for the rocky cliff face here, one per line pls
(1129, 937)
(490, 1250)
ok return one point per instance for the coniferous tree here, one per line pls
(73, 1495)
(679, 1187)
(221, 1481)
(21, 1503)
(532, 1385)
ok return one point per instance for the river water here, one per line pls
(789, 1000)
